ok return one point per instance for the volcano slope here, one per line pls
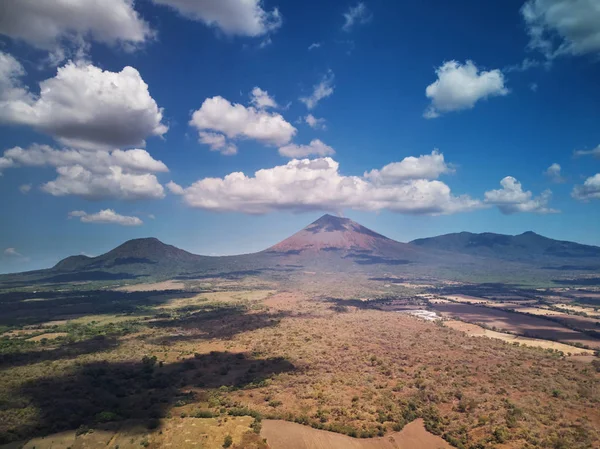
(339, 245)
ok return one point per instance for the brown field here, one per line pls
(587, 310)
(48, 336)
(527, 307)
(468, 299)
(174, 433)
(583, 294)
(158, 286)
(474, 330)
(575, 321)
(285, 435)
(526, 325)
(343, 366)
(224, 297)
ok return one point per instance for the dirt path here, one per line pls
(287, 435)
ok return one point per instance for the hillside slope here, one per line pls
(338, 245)
(527, 247)
(347, 239)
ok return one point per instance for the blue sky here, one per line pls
(420, 110)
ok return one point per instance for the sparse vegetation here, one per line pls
(214, 357)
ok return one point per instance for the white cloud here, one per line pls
(175, 188)
(315, 147)
(512, 199)
(236, 121)
(12, 252)
(460, 86)
(314, 122)
(5, 163)
(93, 174)
(356, 15)
(321, 90)
(260, 99)
(117, 183)
(233, 17)
(559, 27)
(554, 173)
(593, 152)
(589, 190)
(429, 166)
(523, 66)
(135, 160)
(11, 72)
(314, 45)
(217, 142)
(52, 24)
(86, 107)
(25, 188)
(106, 216)
(317, 185)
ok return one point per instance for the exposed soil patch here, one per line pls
(286, 435)
(529, 326)
(474, 330)
(48, 336)
(166, 285)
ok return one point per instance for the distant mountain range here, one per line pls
(335, 244)
(529, 246)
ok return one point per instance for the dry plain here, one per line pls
(244, 353)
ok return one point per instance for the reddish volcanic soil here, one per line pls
(336, 233)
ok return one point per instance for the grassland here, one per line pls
(218, 357)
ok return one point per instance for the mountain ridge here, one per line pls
(335, 244)
(525, 246)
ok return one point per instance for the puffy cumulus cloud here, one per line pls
(315, 147)
(321, 90)
(116, 183)
(233, 17)
(318, 185)
(314, 46)
(589, 190)
(513, 199)
(554, 173)
(460, 86)
(93, 174)
(86, 107)
(217, 119)
(261, 100)
(314, 122)
(594, 152)
(47, 25)
(356, 15)
(559, 27)
(217, 142)
(106, 216)
(135, 160)
(429, 166)
(25, 188)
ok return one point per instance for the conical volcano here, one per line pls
(330, 233)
